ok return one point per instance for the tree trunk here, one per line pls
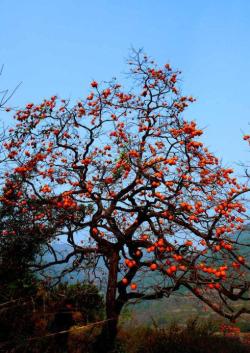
(109, 330)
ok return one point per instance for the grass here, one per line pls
(198, 336)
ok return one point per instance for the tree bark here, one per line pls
(109, 330)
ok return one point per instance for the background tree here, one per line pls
(10, 222)
(21, 241)
(124, 177)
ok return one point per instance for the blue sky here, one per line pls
(58, 47)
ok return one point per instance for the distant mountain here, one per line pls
(62, 249)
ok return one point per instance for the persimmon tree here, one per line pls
(124, 177)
